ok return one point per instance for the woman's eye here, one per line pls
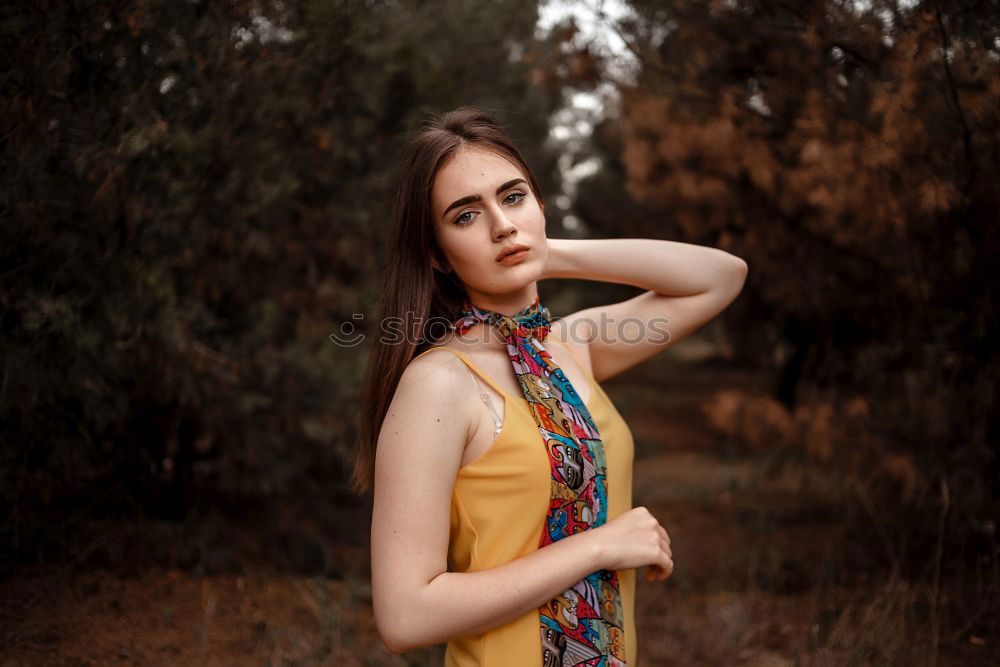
(515, 194)
(459, 220)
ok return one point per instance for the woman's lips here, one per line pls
(514, 257)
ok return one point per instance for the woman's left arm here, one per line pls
(687, 285)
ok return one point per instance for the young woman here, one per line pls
(502, 473)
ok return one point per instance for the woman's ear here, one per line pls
(436, 265)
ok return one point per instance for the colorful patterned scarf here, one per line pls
(584, 624)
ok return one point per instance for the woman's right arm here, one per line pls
(417, 602)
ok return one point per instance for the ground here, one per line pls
(758, 547)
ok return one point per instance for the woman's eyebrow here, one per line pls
(471, 198)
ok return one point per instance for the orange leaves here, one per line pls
(837, 435)
(644, 110)
(847, 149)
(639, 158)
(671, 146)
(717, 139)
(820, 196)
(882, 97)
(811, 152)
(759, 163)
(937, 196)
(677, 160)
(699, 188)
(759, 423)
(875, 154)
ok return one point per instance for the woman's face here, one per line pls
(483, 205)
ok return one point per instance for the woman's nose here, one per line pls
(502, 225)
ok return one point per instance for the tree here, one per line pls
(196, 196)
(849, 155)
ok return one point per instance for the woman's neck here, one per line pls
(505, 304)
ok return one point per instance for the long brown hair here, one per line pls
(415, 299)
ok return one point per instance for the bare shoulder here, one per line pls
(433, 384)
(440, 362)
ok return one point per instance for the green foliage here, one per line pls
(195, 196)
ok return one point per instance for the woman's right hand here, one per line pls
(634, 539)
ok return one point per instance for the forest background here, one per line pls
(194, 198)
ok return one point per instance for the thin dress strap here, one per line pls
(473, 370)
(489, 404)
(468, 362)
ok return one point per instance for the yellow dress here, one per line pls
(498, 509)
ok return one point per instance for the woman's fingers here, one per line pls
(668, 556)
(665, 543)
(665, 547)
(664, 566)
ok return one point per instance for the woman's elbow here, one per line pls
(392, 631)
(391, 646)
(740, 265)
(391, 640)
(739, 272)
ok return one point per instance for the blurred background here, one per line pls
(195, 197)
